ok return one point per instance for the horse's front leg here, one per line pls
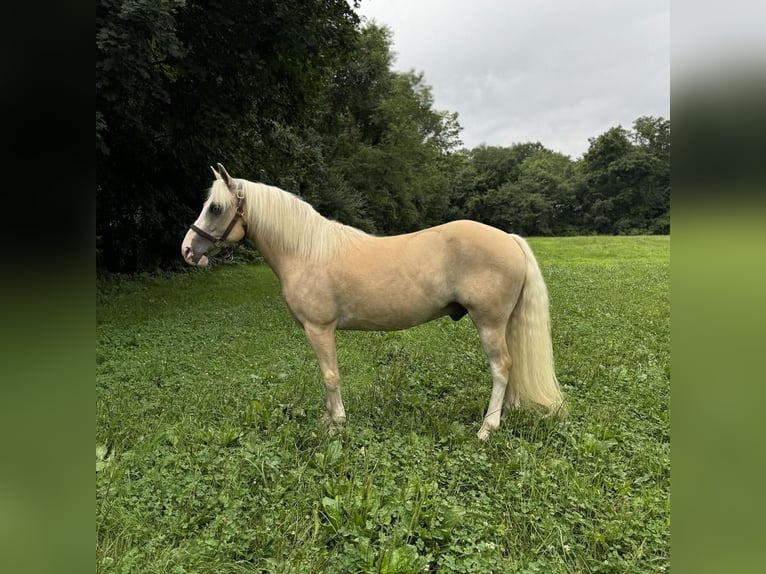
(322, 340)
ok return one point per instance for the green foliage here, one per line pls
(179, 84)
(620, 186)
(626, 186)
(211, 457)
(301, 95)
(526, 188)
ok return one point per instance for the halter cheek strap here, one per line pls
(239, 213)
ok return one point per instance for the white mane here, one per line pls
(286, 222)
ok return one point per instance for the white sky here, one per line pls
(553, 71)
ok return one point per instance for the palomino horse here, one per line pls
(336, 277)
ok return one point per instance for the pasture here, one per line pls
(211, 455)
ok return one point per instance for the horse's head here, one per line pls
(221, 219)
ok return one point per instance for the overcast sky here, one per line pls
(553, 71)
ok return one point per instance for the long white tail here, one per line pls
(529, 340)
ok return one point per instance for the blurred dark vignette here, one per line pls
(719, 270)
(47, 289)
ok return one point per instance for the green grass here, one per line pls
(211, 456)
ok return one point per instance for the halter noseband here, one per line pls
(239, 213)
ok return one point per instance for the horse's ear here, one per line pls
(225, 175)
(215, 173)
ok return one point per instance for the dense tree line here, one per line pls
(302, 95)
(620, 186)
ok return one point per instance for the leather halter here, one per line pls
(239, 213)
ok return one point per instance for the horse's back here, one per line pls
(463, 243)
(475, 231)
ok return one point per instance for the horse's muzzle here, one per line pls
(194, 249)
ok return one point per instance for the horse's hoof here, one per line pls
(334, 421)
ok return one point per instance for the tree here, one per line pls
(485, 195)
(546, 186)
(392, 146)
(621, 185)
(626, 179)
(180, 84)
(652, 134)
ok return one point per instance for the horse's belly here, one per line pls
(391, 319)
(389, 315)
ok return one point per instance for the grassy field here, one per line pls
(211, 457)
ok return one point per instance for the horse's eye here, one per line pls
(215, 209)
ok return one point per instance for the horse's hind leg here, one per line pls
(511, 400)
(494, 343)
(322, 340)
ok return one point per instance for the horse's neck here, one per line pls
(299, 235)
(273, 257)
(283, 261)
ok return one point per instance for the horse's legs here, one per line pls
(511, 399)
(322, 340)
(494, 343)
